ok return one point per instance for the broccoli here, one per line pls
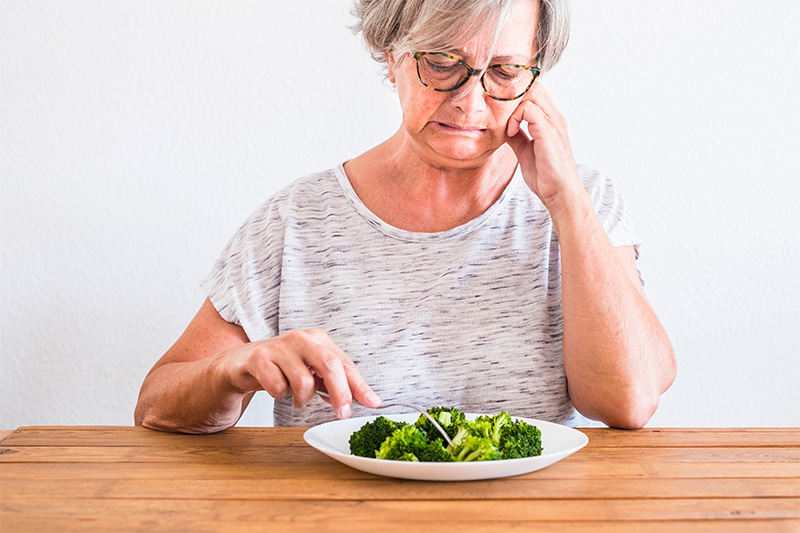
(462, 433)
(490, 426)
(470, 445)
(409, 443)
(367, 440)
(514, 438)
(487, 438)
(472, 448)
(435, 452)
(519, 439)
(448, 417)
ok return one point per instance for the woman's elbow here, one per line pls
(634, 414)
(634, 408)
(623, 409)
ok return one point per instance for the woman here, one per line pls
(466, 261)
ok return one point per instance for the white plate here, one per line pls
(333, 439)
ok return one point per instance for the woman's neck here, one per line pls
(408, 193)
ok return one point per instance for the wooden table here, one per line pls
(268, 479)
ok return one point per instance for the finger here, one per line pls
(537, 96)
(280, 367)
(515, 121)
(353, 386)
(254, 369)
(361, 391)
(329, 363)
(319, 385)
(357, 386)
(328, 366)
(304, 361)
(273, 381)
(300, 377)
(542, 98)
(536, 118)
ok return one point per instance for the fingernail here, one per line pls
(344, 412)
(372, 399)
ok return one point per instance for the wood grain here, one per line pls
(282, 437)
(299, 511)
(259, 479)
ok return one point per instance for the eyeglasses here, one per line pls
(443, 72)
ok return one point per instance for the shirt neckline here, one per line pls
(373, 220)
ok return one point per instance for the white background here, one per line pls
(135, 136)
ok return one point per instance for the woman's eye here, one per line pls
(505, 74)
(441, 67)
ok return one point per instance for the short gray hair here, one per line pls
(400, 26)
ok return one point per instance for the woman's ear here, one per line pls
(390, 67)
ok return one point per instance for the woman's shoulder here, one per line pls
(308, 192)
(610, 206)
(594, 178)
(600, 186)
(315, 184)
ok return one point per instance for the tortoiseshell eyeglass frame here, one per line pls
(535, 72)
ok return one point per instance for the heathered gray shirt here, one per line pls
(470, 317)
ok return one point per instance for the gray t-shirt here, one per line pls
(470, 317)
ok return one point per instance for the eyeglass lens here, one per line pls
(445, 73)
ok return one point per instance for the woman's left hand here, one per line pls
(545, 157)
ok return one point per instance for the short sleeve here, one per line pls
(610, 208)
(244, 283)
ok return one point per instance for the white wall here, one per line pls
(136, 136)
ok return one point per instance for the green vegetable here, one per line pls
(520, 439)
(367, 440)
(449, 418)
(467, 447)
(409, 443)
(490, 426)
(487, 438)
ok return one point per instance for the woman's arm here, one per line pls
(617, 356)
(206, 379)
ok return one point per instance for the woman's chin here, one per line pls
(464, 155)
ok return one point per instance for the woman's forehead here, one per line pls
(515, 41)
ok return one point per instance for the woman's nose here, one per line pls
(470, 97)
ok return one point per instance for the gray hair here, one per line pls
(400, 26)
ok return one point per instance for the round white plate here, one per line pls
(333, 439)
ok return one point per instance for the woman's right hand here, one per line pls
(207, 378)
(297, 364)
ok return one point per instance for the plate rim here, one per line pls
(452, 471)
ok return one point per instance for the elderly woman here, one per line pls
(466, 261)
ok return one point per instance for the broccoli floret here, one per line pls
(480, 427)
(403, 444)
(409, 443)
(490, 426)
(472, 448)
(463, 431)
(435, 452)
(367, 440)
(468, 446)
(448, 417)
(519, 439)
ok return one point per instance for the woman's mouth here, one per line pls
(459, 130)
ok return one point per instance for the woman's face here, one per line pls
(462, 128)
